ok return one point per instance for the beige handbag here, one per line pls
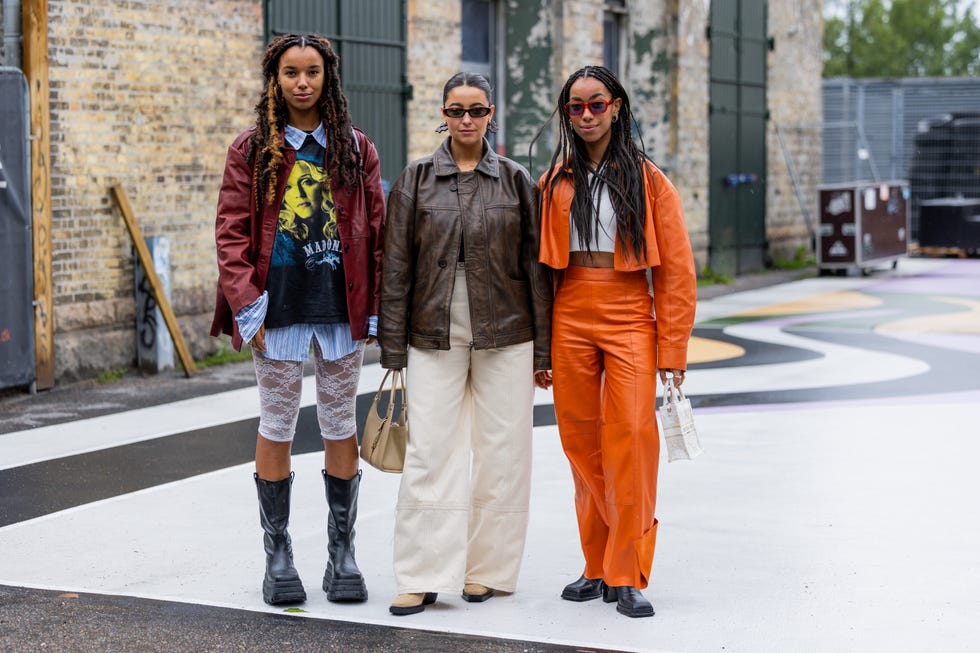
(385, 438)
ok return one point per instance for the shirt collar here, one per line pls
(296, 137)
(444, 164)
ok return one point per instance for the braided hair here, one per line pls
(621, 168)
(266, 147)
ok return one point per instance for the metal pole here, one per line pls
(796, 188)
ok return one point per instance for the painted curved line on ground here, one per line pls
(838, 364)
(709, 350)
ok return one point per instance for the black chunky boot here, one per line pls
(343, 580)
(584, 589)
(282, 583)
(629, 601)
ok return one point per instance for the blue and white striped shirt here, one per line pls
(292, 343)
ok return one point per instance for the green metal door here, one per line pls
(737, 136)
(369, 37)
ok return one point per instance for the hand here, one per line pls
(542, 379)
(258, 340)
(678, 376)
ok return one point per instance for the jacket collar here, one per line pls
(443, 163)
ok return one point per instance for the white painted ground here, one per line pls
(816, 527)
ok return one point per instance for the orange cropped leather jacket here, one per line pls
(668, 255)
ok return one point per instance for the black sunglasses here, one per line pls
(595, 106)
(475, 112)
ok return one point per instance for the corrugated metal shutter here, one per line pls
(737, 129)
(369, 37)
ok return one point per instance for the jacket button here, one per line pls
(346, 248)
(452, 187)
(442, 263)
(350, 286)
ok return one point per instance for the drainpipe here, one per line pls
(11, 33)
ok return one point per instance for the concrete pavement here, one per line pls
(831, 511)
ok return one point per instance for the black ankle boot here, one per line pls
(584, 589)
(281, 583)
(342, 580)
(629, 601)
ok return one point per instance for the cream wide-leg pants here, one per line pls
(458, 522)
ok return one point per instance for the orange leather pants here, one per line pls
(604, 368)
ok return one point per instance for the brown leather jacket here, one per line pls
(494, 210)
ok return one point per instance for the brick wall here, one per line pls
(147, 94)
(688, 141)
(796, 106)
(579, 42)
(434, 54)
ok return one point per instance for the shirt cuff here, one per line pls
(373, 325)
(251, 317)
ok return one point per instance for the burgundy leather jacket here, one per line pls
(244, 241)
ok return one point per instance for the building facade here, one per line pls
(147, 94)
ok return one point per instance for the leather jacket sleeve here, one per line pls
(538, 274)
(397, 273)
(374, 204)
(675, 279)
(233, 233)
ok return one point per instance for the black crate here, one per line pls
(950, 222)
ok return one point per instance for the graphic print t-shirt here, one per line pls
(306, 278)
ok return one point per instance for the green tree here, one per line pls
(900, 38)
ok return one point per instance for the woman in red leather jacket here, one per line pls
(298, 234)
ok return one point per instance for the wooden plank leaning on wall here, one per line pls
(35, 65)
(146, 260)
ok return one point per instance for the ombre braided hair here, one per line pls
(621, 168)
(266, 145)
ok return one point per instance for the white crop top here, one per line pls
(604, 238)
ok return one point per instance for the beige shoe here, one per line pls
(411, 603)
(476, 593)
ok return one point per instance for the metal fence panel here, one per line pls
(889, 112)
(870, 128)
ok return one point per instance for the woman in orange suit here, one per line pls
(609, 219)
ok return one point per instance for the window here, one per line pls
(480, 31)
(614, 36)
(478, 34)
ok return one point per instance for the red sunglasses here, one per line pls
(595, 107)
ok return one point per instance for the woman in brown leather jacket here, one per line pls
(609, 218)
(465, 305)
(298, 236)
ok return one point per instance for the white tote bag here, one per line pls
(677, 419)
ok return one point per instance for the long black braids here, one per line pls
(266, 146)
(621, 168)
